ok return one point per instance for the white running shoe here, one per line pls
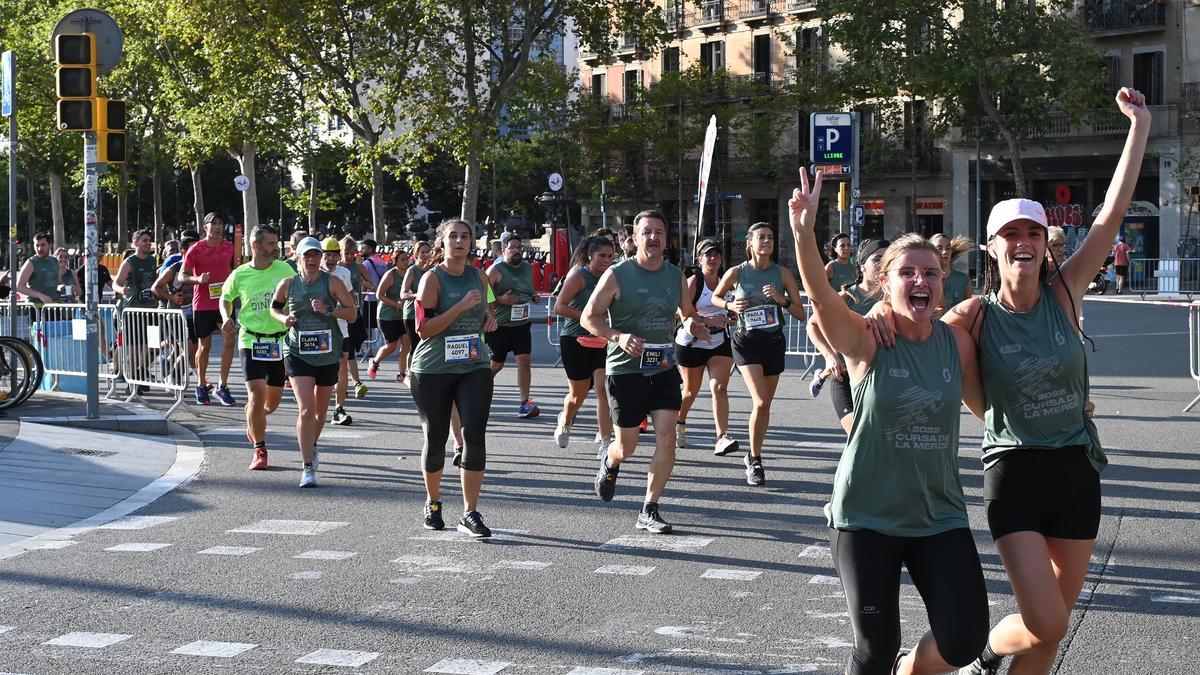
(681, 436)
(562, 434)
(308, 477)
(725, 446)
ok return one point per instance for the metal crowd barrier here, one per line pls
(1164, 276)
(153, 350)
(553, 322)
(798, 343)
(62, 342)
(1194, 349)
(28, 316)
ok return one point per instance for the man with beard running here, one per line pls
(512, 280)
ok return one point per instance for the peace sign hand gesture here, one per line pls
(802, 207)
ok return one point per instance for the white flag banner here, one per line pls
(710, 141)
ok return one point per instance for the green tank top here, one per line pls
(142, 274)
(460, 348)
(45, 277)
(519, 280)
(859, 301)
(844, 274)
(955, 290)
(764, 316)
(1035, 378)
(355, 279)
(571, 327)
(386, 311)
(899, 472)
(315, 338)
(646, 308)
(418, 272)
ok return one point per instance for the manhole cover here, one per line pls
(85, 453)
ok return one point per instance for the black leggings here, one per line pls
(944, 568)
(472, 393)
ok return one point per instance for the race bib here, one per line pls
(658, 355)
(316, 341)
(462, 348)
(214, 291)
(266, 351)
(520, 312)
(760, 317)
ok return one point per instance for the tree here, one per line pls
(1004, 70)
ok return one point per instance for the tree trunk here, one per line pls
(312, 197)
(197, 197)
(123, 206)
(380, 227)
(471, 178)
(246, 160)
(156, 197)
(29, 200)
(56, 210)
(1014, 148)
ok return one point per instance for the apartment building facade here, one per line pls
(921, 183)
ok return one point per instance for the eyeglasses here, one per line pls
(907, 273)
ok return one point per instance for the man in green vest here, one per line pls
(134, 286)
(39, 277)
(512, 282)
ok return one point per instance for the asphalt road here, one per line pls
(568, 585)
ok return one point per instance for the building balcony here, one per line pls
(1121, 17)
(799, 5)
(1164, 122)
(677, 18)
(758, 11)
(713, 14)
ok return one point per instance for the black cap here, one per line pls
(212, 215)
(706, 246)
(869, 247)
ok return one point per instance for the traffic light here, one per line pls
(75, 81)
(843, 197)
(110, 131)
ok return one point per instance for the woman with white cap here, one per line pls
(1041, 452)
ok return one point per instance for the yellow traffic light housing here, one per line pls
(110, 131)
(843, 197)
(75, 81)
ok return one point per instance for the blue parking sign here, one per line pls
(6, 83)
(832, 137)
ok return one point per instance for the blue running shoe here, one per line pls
(202, 396)
(223, 396)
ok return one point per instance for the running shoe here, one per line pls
(223, 396)
(308, 477)
(606, 480)
(260, 460)
(372, 368)
(978, 667)
(599, 438)
(754, 471)
(725, 446)
(650, 521)
(433, 516)
(602, 448)
(360, 390)
(681, 436)
(202, 397)
(644, 426)
(472, 523)
(340, 417)
(402, 378)
(562, 434)
(528, 409)
(458, 453)
(818, 381)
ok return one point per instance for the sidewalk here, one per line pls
(57, 480)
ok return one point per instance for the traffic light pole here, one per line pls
(12, 195)
(91, 193)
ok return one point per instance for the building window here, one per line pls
(712, 57)
(633, 82)
(1148, 76)
(914, 124)
(670, 60)
(810, 49)
(598, 93)
(762, 58)
(1112, 69)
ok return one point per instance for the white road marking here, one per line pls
(338, 657)
(241, 433)
(657, 542)
(829, 642)
(824, 579)
(136, 547)
(306, 576)
(583, 670)
(294, 527)
(1177, 599)
(521, 565)
(36, 545)
(230, 550)
(423, 560)
(731, 575)
(88, 640)
(629, 570)
(455, 535)
(5, 629)
(405, 581)
(468, 667)
(136, 522)
(224, 650)
(816, 551)
(325, 555)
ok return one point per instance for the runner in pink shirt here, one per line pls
(207, 264)
(1120, 253)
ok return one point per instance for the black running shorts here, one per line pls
(505, 339)
(326, 376)
(766, 350)
(208, 321)
(271, 371)
(580, 362)
(631, 396)
(1052, 491)
(696, 357)
(392, 330)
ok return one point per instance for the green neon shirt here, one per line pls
(255, 288)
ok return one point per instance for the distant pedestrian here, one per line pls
(1120, 253)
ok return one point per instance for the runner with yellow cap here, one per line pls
(331, 250)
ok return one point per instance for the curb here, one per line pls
(189, 457)
(139, 419)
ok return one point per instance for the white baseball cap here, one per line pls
(1010, 210)
(307, 244)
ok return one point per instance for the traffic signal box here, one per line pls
(80, 107)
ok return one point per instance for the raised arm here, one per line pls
(845, 330)
(1078, 270)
